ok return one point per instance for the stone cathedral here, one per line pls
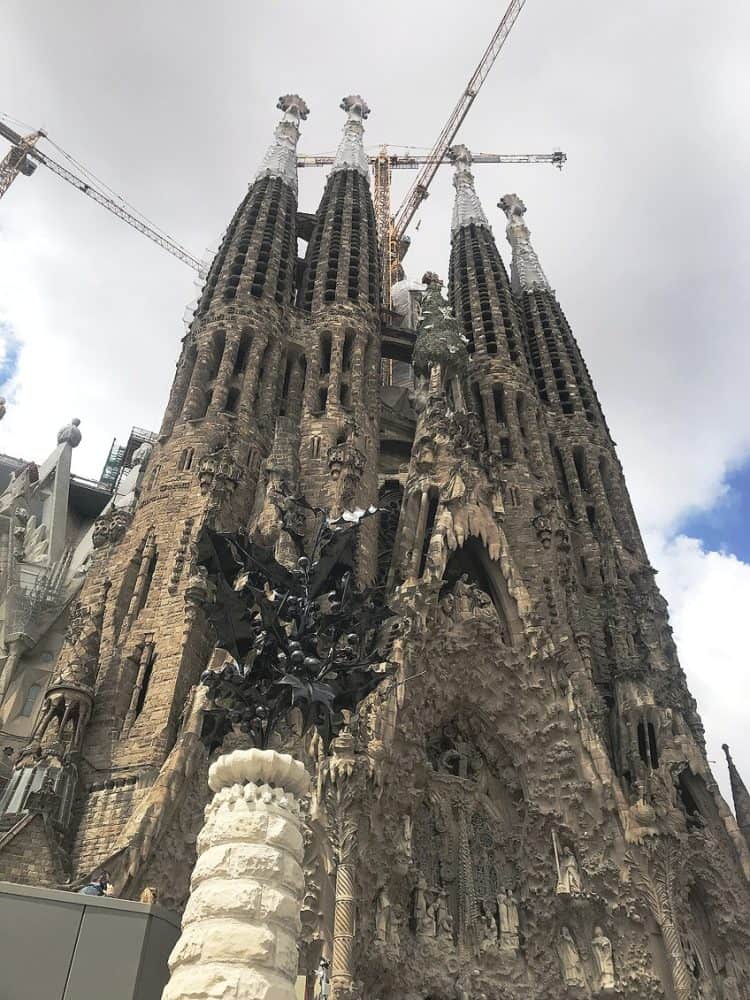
(525, 810)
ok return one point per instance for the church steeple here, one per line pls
(557, 365)
(740, 795)
(342, 257)
(257, 256)
(467, 208)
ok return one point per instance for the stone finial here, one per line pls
(467, 208)
(281, 158)
(351, 153)
(294, 107)
(69, 434)
(439, 340)
(740, 795)
(526, 272)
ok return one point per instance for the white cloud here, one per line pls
(709, 598)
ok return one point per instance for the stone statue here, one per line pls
(444, 918)
(601, 948)
(69, 434)
(489, 931)
(508, 910)
(424, 923)
(731, 989)
(383, 917)
(570, 875)
(141, 453)
(570, 960)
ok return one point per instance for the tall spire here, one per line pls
(740, 795)
(526, 273)
(281, 158)
(351, 154)
(467, 208)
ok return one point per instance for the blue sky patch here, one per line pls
(10, 346)
(726, 526)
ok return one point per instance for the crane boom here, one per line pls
(409, 161)
(165, 242)
(419, 189)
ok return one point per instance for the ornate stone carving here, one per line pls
(570, 959)
(351, 154)
(111, 527)
(569, 881)
(219, 475)
(601, 949)
(509, 923)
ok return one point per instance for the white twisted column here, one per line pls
(242, 921)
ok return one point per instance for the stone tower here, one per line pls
(526, 810)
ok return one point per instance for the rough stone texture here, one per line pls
(539, 736)
(242, 921)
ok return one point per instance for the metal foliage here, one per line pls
(308, 638)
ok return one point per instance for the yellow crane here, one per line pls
(386, 160)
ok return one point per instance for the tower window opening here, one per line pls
(643, 748)
(145, 680)
(580, 464)
(346, 353)
(186, 459)
(233, 399)
(560, 469)
(325, 353)
(431, 513)
(240, 358)
(154, 476)
(476, 396)
(652, 747)
(315, 447)
(217, 352)
(149, 579)
(499, 400)
(345, 395)
(505, 447)
(285, 387)
(30, 700)
(591, 515)
(209, 395)
(322, 398)
(521, 411)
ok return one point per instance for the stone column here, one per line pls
(242, 921)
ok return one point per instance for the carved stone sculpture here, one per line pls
(570, 875)
(509, 923)
(601, 948)
(383, 918)
(69, 434)
(424, 922)
(570, 960)
(489, 932)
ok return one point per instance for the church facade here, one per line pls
(527, 809)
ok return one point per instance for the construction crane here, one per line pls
(392, 228)
(385, 161)
(23, 158)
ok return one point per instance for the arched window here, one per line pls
(30, 700)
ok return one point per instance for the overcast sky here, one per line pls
(644, 234)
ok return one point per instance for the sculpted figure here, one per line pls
(424, 923)
(570, 875)
(508, 910)
(570, 960)
(489, 932)
(601, 948)
(444, 918)
(383, 917)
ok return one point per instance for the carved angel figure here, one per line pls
(570, 875)
(383, 917)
